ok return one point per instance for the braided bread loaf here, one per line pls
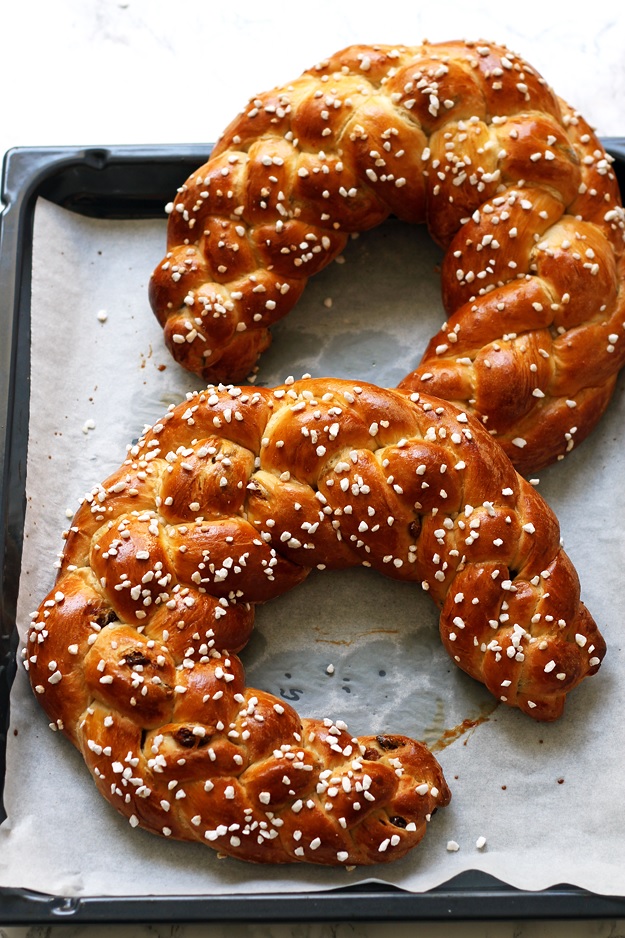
(230, 500)
(464, 136)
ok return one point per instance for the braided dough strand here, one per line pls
(230, 500)
(466, 137)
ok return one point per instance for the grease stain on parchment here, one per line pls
(354, 638)
(438, 737)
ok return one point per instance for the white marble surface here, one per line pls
(98, 72)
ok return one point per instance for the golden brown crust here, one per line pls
(466, 137)
(230, 499)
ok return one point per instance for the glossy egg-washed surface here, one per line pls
(229, 500)
(471, 140)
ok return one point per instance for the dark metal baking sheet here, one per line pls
(136, 182)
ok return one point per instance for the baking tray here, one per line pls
(132, 182)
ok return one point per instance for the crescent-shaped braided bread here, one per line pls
(228, 501)
(464, 136)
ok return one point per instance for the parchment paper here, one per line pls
(547, 798)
